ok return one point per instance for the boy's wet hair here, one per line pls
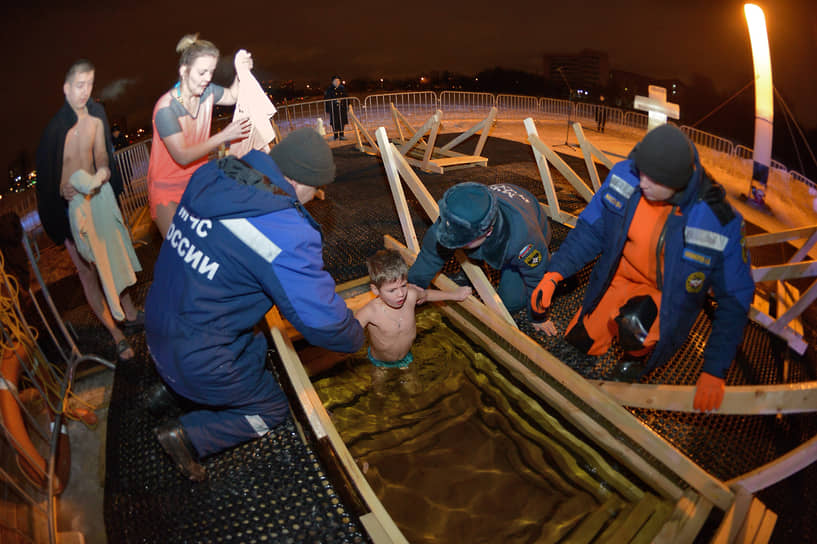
(81, 66)
(386, 266)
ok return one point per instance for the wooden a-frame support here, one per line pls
(745, 400)
(397, 167)
(365, 142)
(426, 155)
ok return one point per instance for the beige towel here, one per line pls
(253, 103)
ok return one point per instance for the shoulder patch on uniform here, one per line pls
(525, 250)
(614, 201)
(695, 282)
(705, 238)
(696, 257)
(621, 187)
(533, 259)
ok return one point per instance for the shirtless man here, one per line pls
(389, 318)
(77, 138)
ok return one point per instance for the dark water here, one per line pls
(458, 453)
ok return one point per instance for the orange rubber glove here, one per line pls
(708, 392)
(540, 299)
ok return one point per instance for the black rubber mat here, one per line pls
(276, 484)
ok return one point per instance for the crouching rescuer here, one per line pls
(240, 242)
(664, 235)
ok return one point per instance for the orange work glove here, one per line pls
(708, 392)
(540, 299)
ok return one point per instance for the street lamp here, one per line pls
(764, 108)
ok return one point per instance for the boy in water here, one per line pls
(389, 318)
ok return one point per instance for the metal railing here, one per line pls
(306, 114)
(515, 106)
(413, 105)
(457, 103)
(133, 162)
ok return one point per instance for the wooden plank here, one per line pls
(489, 124)
(589, 151)
(317, 413)
(801, 253)
(797, 308)
(605, 407)
(554, 211)
(781, 236)
(474, 273)
(738, 399)
(485, 126)
(787, 296)
(686, 520)
(654, 525)
(794, 340)
(631, 524)
(591, 525)
(764, 533)
(432, 138)
(466, 159)
(805, 269)
(733, 519)
(388, 151)
(372, 148)
(587, 424)
(571, 176)
(779, 469)
(748, 531)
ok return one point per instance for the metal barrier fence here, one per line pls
(306, 114)
(133, 162)
(413, 105)
(455, 103)
(514, 106)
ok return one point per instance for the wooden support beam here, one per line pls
(589, 150)
(734, 518)
(779, 469)
(372, 147)
(792, 338)
(554, 211)
(805, 269)
(738, 399)
(485, 126)
(428, 126)
(787, 296)
(474, 273)
(795, 310)
(387, 151)
(571, 176)
(686, 521)
(802, 253)
(781, 236)
(400, 121)
(432, 138)
(604, 406)
(323, 427)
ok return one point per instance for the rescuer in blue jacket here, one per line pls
(503, 225)
(664, 234)
(240, 242)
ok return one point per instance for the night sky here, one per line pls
(133, 45)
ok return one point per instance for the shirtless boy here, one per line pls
(389, 318)
(76, 139)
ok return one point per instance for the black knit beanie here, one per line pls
(665, 154)
(304, 156)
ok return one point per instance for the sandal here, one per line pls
(121, 347)
(131, 327)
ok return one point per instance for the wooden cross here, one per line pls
(657, 107)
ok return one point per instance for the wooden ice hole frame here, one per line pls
(424, 153)
(746, 518)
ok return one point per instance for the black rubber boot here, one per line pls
(161, 401)
(629, 371)
(175, 442)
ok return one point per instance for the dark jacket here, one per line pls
(518, 241)
(52, 207)
(232, 251)
(704, 247)
(337, 109)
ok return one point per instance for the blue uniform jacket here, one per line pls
(518, 241)
(699, 252)
(232, 251)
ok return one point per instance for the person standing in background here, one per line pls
(337, 107)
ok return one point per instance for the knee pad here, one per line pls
(634, 321)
